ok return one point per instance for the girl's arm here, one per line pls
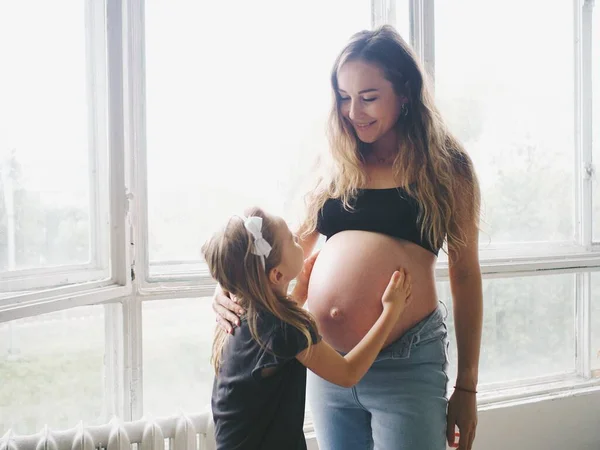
(300, 291)
(347, 370)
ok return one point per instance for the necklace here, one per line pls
(387, 160)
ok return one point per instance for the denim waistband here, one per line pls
(400, 348)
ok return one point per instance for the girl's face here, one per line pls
(367, 100)
(292, 255)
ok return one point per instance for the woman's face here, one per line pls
(367, 100)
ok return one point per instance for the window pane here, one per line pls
(44, 136)
(595, 347)
(507, 92)
(235, 113)
(52, 370)
(399, 17)
(528, 327)
(402, 19)
(177, 344)
(596, 121)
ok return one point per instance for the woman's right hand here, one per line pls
(226, 309)
(397, 294)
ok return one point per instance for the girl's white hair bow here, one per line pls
(260, 247)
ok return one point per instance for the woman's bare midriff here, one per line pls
(350, 276)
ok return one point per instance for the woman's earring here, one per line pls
(404, 110)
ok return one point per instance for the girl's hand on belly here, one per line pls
(397, 293)
(300, 291)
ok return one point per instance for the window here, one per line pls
(116, 151)
(508, 95)
(596, 122)
(45, 380)
(62, 267)
(527, 328)
(512, 98)
(271, 74)
(177, 341)
(595, 320)
(53, 153)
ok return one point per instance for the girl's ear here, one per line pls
(275, 276)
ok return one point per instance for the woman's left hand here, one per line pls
(462, 413)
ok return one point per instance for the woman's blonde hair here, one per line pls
(241, 273)
(431, 164)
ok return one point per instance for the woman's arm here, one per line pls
(467, 297)
(347, 370)
(227, 311)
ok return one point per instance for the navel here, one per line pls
(335, 313)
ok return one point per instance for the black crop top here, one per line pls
(388, 211)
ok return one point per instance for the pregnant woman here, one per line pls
(400, 187)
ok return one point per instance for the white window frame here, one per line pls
(101, 277)
(128, 283)
(107, 278)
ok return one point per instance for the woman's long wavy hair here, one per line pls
(241, 273)
(431, 164)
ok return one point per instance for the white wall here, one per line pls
(566, 423)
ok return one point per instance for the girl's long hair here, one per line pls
(241, 273)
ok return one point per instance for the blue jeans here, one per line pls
(399, 404)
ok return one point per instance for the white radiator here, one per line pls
(172, 433)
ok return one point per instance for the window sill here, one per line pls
(521, 394)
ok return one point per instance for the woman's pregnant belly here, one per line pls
(350, 276)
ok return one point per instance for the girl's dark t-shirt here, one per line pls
(252, 411)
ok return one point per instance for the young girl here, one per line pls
(259, 391)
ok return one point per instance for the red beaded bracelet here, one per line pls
(471, 391)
